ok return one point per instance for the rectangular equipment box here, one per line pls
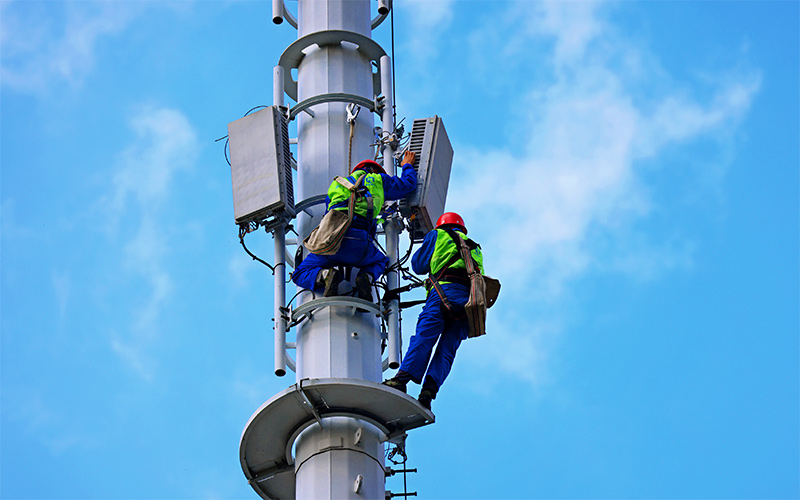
(261, 167)
(434, 158)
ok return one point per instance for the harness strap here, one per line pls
(357, 188)
(433, 282)
(445, 301)
(471, 245)
(453, 276)
(345, 182)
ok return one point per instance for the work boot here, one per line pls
(425, 397)
(395, 384)
(364, 286)
(332, 283)
(319, 282)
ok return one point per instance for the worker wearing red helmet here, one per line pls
(440, 257)
(358, 249)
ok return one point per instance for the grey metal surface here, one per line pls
(357, 305)
(294, 53)
(265, 448)
(260, 167)
(434, 158)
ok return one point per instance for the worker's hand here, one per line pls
(409, 157)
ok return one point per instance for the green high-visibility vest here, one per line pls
(444, 250)
(374, 184)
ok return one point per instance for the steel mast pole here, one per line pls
(340, 456)
(323, 436)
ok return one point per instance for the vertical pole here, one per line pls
(277, 11)
(335, 341)
(392, 231)
(277, 86)
(280, 254)
(280, 300)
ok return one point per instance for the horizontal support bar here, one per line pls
(332, 97)
(354, 302)
(293, 55)
(310, 202)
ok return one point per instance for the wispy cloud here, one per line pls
(62, 287)
(46, 43)
(430, 20)
(239, 268)
(164, 145)
(562, 196)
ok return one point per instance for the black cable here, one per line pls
(227, 142)
(400, 262)
(294, 297)
(225, 149)
(255, 108)
(410, 247)
(241, 240)
(410, 277)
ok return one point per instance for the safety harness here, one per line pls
(360, 190)
(451, 274)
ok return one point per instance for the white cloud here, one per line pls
(240, 266)
(47, 42)
(427, 14)
(430, 20)
(561, 196)
(62, 288)
(572, 24)
(165, 144)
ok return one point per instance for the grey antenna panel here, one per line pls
(261, 167)
(434, 158)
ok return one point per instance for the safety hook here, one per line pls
(352, 112)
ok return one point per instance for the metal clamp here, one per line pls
(352, 112)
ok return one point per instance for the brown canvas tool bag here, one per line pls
(326, 238)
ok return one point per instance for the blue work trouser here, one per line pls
(436, 323)
(357, 250)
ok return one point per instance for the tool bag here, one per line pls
(326, 238)
(483, 290)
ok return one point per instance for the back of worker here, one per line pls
(442, 318)
(358, 249)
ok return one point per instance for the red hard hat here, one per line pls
(451, 219)
(369, 166)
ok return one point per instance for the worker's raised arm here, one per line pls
(395, 188)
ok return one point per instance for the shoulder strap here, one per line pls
(344, 182)
(465, 247)
(356, 192)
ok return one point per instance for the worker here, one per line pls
(357, 249)
(440, 320)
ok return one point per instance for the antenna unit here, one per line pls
(261, 168)
(434, 156)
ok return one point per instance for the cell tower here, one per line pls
(324, 436)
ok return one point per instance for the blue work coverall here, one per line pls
(436, 323)
(357, 249)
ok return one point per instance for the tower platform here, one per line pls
(265, 449)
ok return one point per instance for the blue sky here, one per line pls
(630, 169)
